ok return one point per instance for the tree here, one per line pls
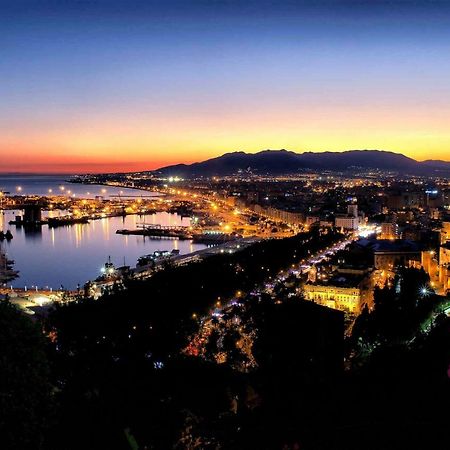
(25, 390)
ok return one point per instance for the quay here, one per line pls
(159, 231)
(180, 260)
(35, 301)
(213, 238)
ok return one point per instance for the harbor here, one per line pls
(60, 240)
(66, 257)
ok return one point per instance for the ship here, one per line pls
(182, 210)
(109, 272)
(158, 232)
(157, 256)
(65, 220)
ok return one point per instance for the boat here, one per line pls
(182, 210)
(66, 220)
(8, 235)
(157, 256)
(109, 272)
(6, 271)
(158, 232)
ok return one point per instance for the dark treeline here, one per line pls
(403, 310)
(26, 402)
(158, 310)
(114, 352)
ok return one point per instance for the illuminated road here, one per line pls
(206, 323)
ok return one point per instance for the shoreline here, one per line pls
(157, 192)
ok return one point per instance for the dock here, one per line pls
(159, 231)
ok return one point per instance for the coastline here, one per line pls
(157, 192)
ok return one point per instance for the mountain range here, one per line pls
(284, 162)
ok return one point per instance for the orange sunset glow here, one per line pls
(79, 97)
(133, 145)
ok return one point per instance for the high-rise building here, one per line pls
(352, 210)
(389, 230)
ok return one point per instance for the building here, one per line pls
(390, 253)
(311, 219)
(352, 210)
(345, 291)
(346, 222)
(389, 230)
(406, 200)
(279, 215)
(400, 252)
(445, 232)
(437, 266)
(342, 298)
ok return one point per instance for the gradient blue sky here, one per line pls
(127, 85)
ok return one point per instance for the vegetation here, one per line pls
(121, 380)
(403, 310)
(115, 353)
(25, 389)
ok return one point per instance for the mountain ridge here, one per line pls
(284, 162)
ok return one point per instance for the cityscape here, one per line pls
(237, 273)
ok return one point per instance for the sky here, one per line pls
(98, 86)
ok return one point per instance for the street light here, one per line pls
(424, 291)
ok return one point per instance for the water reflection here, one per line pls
(32, 232)
(58, 185)
(74, 254)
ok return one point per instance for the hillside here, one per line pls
(276, 162)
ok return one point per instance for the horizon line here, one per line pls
(95, 171)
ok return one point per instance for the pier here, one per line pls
(159, 231)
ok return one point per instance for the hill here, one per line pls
(277, 162)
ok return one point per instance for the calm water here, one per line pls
(57, 184)
(74, 254)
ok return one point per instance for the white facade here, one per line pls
(347, 222)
